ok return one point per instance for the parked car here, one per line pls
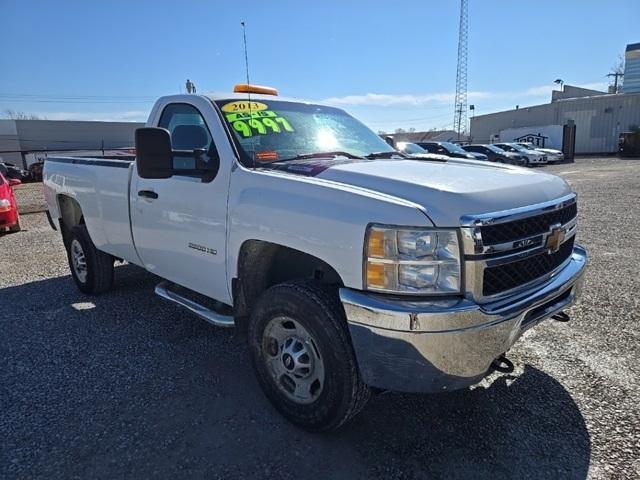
(531, 157)
(495, 154)
(9, 170)
(553, 155)
(341, 260)
(450, 150)
(415, 151)
(9, 216)
(35, 171)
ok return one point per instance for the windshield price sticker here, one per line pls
(260, 122)
(243, 106)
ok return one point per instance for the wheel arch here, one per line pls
(263, 264)
(70, 214)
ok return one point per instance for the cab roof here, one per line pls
(215, 96)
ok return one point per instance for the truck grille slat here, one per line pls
(512, 275)
(527, 227)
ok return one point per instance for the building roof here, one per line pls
(569, 91)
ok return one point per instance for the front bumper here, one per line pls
(445, 344)
(541, 160)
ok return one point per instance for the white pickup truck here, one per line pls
(351, 267)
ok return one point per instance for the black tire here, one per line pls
(317, 309)
(98, 271)
(527, 163)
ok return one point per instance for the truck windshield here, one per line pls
(273, 130)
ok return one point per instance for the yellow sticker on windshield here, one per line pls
(243, 106)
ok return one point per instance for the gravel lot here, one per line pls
(127, 386)
(30, 198)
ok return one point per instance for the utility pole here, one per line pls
(460, 110)
(615, 76)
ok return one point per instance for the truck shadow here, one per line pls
(125, 385)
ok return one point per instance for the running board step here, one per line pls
(211, 316)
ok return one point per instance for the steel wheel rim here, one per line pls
(293, 360)
(78, 261)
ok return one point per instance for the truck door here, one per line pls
(179, 223)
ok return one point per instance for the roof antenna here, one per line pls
(246, 64)
(246, 56)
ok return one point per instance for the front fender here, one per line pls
(318, 217)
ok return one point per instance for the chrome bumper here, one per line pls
(445, 344)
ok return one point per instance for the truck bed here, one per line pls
(102, 187)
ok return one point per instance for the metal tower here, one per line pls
(460, 111)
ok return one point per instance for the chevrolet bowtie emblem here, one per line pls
(555, 239)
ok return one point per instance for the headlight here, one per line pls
(412, 261)
(5, 205)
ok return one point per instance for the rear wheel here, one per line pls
(91, 269)
(303, 357)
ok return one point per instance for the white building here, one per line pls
(21, 139)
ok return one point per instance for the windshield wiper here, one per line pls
(321, 155)
(374, 155)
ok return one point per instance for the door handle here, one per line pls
(148, 194)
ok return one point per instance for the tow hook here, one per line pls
(502, 364)
(561, 317)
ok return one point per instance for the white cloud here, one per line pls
(407, 99)
(387, 100)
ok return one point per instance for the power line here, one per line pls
(410, 120)
(113, 102)
(71, 99)
(53, 95)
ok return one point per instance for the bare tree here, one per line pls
(617, 71)
(618, 67)
(399, 130)
(15, 115)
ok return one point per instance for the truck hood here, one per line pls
(448, 191)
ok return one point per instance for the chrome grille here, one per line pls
(506, 277)
(527, 227)
(512, 250)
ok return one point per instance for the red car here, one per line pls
(9, 218)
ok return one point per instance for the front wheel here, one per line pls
(91, 269)
(303, 358)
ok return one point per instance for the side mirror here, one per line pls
(14, 181)
(154, 157)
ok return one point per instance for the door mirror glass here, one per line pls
(154, 157)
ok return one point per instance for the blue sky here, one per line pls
(392, 64)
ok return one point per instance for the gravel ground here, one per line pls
(127, 386)
(29, 197)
